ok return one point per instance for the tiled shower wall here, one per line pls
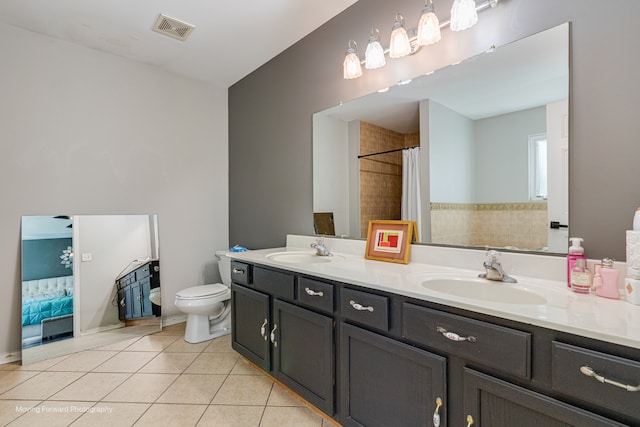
(521, 225)
(381, 175)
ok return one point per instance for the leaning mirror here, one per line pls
(492, 151)
(87, 281)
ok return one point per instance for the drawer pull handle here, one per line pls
(263, 330)
(360, 307)
(469, 420)
(238, 271)
(436, 415)
(453, 336)
(313, 293)
(588, 371)
(273, 336)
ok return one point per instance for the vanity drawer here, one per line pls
(316, 294)
(567, 378)
(240, 273)
(276, 283)
(505, 349)
(363, 307)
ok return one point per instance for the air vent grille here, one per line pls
(173, 27)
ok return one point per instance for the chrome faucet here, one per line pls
(321, 249)
(494, 269)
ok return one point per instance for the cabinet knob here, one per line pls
(238, 271)
(469, 420)
(590, 372)
(263, 329)
(436, 414)
(453, 336)
(273, 335)
(313, 293)
(360, 307)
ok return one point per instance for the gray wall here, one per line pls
(270, 111)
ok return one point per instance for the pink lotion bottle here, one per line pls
(606, 280)
(575, 251)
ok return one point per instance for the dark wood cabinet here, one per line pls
(134, 289)
(387, 383)
(293, 343)
(491, 402)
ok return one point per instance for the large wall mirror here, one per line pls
(87, 281)
(492, 133)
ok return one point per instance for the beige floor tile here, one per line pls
(171, 415)
(243, 367)
(153, 342)
(127, 361)
(169, 363)
(290, 417)
(141, 388)
(92, 387)
(220, 344)
(10, 379)
(244, 390)
(181, 346)
(83, 361)
(111, 414)
(231, 416)
(194, 389)
(118, 346)
(282, 397)
(42, 385)
(12, 409)
(43, 364)
(176, 329)
(213, 363)
(51, 414)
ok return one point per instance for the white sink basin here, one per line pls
(301, 257)
(485, 290)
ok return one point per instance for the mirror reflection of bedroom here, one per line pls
(87, 281)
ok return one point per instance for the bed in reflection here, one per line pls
(47, 310)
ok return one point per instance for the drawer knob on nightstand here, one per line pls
(453, 336)
(590, 372)
(360, 307)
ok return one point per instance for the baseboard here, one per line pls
(174, 319)
(10, 357)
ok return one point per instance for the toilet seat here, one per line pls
(202, 292)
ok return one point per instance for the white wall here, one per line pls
(84, 132)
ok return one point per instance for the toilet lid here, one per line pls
(203, 291)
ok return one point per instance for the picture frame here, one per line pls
(390, 240)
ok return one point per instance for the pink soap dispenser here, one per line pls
(606, 280)
(575, 251)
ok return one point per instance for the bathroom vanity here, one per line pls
(134, 289)
(363, 342)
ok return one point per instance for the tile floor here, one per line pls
(154, 380)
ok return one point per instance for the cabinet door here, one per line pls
(128, 303)
(388, 383)
(495, 403)
(136, 301)
(250, 327)
(145, 302)
(303, 353)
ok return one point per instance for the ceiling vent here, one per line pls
(172, 27)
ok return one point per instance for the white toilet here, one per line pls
(208, 307)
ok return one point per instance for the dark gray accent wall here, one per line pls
(270, 176)
(41, 258)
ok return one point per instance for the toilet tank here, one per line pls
(224, 267)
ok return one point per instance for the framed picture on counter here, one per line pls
(390, 240)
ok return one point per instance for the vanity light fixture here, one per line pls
(399, 45)
(429, 26)
(464, 14)
(374, 55)
(351, 66)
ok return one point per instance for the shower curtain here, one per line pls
(411, 185)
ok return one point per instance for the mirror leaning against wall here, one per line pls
(492, 133)
(88, 281)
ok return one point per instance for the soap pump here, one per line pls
(606, 280)
(576, 251)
